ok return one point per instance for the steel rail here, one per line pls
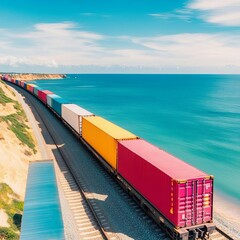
(97, 220)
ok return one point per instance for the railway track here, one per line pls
(218, 234)
(90, 220)
(90, 226)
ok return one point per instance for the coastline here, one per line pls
(34, 76)
(227, 214)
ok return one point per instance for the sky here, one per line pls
(112, 36)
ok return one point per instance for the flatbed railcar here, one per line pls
(190, 232)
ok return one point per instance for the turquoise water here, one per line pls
(42, 214)
(195, 117)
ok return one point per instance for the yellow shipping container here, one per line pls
(102, 135)
(29, 86)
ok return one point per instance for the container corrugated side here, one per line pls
(184, 201)
(57, 105)
(40, 94)
(50, 97)
(102, 135)
(25, 85)
(73, 114)
(44, 95)
(30, 87)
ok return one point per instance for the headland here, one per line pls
(34, 76)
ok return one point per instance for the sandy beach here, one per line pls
(227, 215)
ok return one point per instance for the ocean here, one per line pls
(194, 117)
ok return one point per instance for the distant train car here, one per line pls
(36, 89)
(42, 95)
(30, 87)
(73, 114)
(50, 97)
(57, 105)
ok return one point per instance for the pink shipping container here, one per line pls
(42, 95)
(179, 191)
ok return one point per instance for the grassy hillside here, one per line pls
(17, 121)
(14, 208)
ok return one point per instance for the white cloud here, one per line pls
(213, 4)
(175, 15)
(195, 49)
(51, 44)
(62, 45)
(221, 12)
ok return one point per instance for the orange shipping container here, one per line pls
(102, 135)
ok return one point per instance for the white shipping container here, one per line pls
(50, 97)
(73, 114)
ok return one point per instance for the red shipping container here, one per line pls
(179, 191)
(42, 95)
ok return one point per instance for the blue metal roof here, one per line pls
(42, 218)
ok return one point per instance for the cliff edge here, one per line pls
(35, 76)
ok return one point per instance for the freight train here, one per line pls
(178, 196)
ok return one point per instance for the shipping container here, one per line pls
(42, 95)
(23, 84)
(36, 89)
(182, 193)
(57, 105)
(73, 114)
(50, 97)
(30, 87)
(33, 86)
(102, 135)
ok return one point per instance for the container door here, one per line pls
(195, 202)
(204, 193)
(80, 125)
(186, 204)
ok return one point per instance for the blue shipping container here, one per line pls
(50, 97)
(57, 105)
